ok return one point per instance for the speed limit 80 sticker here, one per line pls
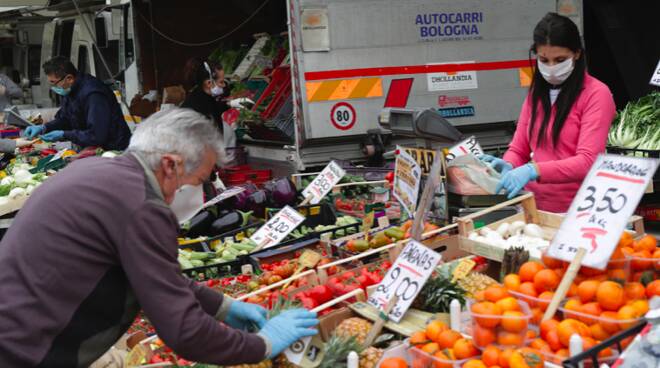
(342, 116)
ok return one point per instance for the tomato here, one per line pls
(390, 176)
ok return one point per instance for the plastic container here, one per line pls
(642, 267)
(244, 173)
(421, 359)
(587, 363)
(502, 331)
(610, 323)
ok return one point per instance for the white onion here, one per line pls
(533, 230)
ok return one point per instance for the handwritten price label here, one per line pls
(278, 227)
(465, 147)
(407, 176)
(599, 213)
(324, 182)
(405, 279)
(655, 78)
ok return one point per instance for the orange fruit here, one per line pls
(531, 334)
(504, 357)
(589, 272)
(552, 338)
(419, 338)
(495, 293)
(448, 338)
(617, 274)
(572, 305)
(443, 358)
(480, 296)
(508, 304)
(610, 295)
(491, 356)
(641, 306)
(434, 329)
(526, 358)
(546, 280)
(598, 332)
(550, 262)
(593, 309)
(483, 336)
(627, 313)
(641, 260)
(527, 288)
(528, 270)
(431, 348)
(488, 312)
(512, 282)
(540, 345)
(648, 243)
(588, 343)
(566, 329)
(572, 290)
(605, 353)
(587, 290)
(547, 326)
(474, 363)
(506, 338)
(394, 362)
(514, 321)
(625, 342)
(626, 240)
(608, 320)
(635, 290)
(464, 348)
(537, 315)
(653, 289)
(562, 354)
(546, 297)
(627, 250)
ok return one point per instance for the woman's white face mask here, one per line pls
(558, 73)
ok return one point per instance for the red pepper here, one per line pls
(348, 275)
(320, 293)
(390, 177)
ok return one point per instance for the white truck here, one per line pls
(349, 60)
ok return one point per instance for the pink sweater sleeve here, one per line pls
(597, 115)
(519, 149)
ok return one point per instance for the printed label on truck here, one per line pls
(455, 26)
(451, 81)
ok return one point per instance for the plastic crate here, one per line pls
(315, 214)
(229, 268)
(284, 251)
(242, 174)
(613, 342)
(236, 235)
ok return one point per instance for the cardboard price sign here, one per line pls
(599, 213)
(407, 176)
(655, 78)
(323, 183)
(405, 279)
(465, 147)
(277, 228)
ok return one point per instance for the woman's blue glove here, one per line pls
(287, 328)
(516, 179)
(243, 315)
(33, 131)
(497, 164)
(55, 135)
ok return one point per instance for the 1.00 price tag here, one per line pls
(278, 227)
(323, 183)
(405, 279)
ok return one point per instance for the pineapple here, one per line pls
(437, 293)
(370, 357)
(354, 326)
(336, 351)
(475, 282)
(282, 362)
(263, 364)
(513, 258)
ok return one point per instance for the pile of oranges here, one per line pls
(493, 357)
(443, 343)
(643, 256)
(499, 318)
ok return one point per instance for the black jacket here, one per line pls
(207, 105)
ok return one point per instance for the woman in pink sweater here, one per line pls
(563, 124)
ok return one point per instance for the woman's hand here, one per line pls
(515, 180)
(497, 164)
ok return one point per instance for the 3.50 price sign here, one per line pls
(601, 209)
(405, 279)
(278, 227)
(324, 182)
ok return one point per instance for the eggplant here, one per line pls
(242, 199)
(257, 203)
(281, 192)
(225, 223)
(200, 224)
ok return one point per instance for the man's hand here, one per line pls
(55, 135)
(241, 315)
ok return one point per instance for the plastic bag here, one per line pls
(470, 176)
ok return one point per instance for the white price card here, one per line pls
(324, 182)
(407, 176)
(405, 279)
(655, 78)
(224, 195)
(601, 209)
(465, 147)
(278, 227)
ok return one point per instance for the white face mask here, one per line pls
(558, 73)
(188, 200)
(217, 91)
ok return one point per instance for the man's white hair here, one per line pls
(179, 131)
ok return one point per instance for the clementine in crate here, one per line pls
(641, 260)
(491, 356)
(464, 348)
(526, 358)
(419, 338)
(527, 288)
(537, 315)
(593, 309)
(634, 290)
(572, 305)
(610, 295)
(547, 326)
(448, 338)
(512, 282)
(546, 280)
(528, 270)
(514, 321)
(626, 240)
(598, 332)
(531, 334)
(431, 348)
(506, 338)
(641, 306)
(394, 362)
(434, 329)
(483, 336)
(508, 304)
(608, 322)
(570, 326)
(474, 363)
(545, 297)
(505, 356)
(540, 345)
(572, 290)
(550, 262)
(552, 338)
(647, 243)
(587, 289)
(443, 355)
(627, 313)
(495, 293)
(489, 312)
(653, 289)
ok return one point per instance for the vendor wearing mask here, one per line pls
(89, 114)
(208, 89)
(563, 124)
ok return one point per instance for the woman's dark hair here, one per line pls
(555, 30)
(197, 71)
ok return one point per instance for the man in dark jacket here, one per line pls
(89, 114)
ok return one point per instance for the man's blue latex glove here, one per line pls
(516, 179)
(243, 315)
(55, 135)
(33, 131)
(287, 328)
(498, 164)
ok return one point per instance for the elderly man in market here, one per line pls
(97, 242)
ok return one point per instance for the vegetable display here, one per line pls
(19, 182)
(636, 126)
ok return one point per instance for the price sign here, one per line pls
(278, 227)
(224, 195)
(407, 176)
(323, 182)
(405, 279)
(465, 147)
(599, 213)
(655, 78)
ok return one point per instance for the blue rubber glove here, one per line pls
(55, 135)
(33, 131)
(497, 164)
(516, 179)
(243, 315)
(287, 328)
